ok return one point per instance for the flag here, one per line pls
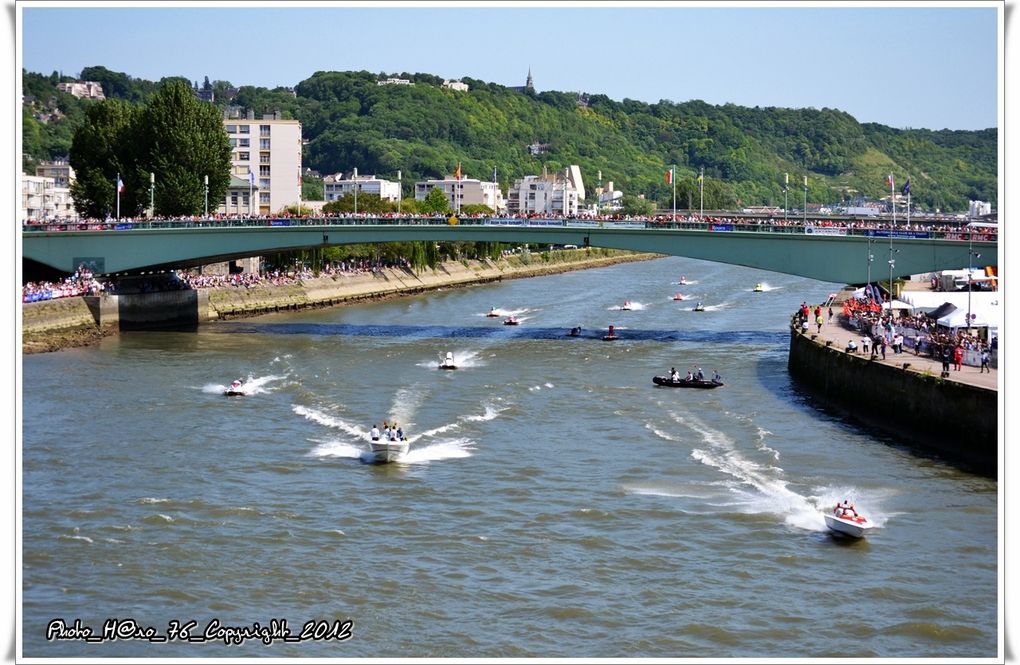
(805, 182)
(669, 177)
(251, 177)
(906, 187)
(890, 181)
(786, 179)
(701, 178)
(457, 172)
(120, 184)
(493, 174)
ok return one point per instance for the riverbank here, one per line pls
(902, 394)
(72, 322)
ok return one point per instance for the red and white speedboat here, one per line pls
(492, 313)
(626, 306)
(678, 296)
(683, 280)
(512, 321)
(845, 520)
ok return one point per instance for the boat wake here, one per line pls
(462, 358)
(257, 385)
(751, 481)
(765, 286)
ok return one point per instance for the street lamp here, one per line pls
(970, 269)
(354, 179)
(871, 257)
(892, 264)
(400, 190)
(152, 194)
(207, 196)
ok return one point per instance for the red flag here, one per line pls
(457, 173)
(669, 177)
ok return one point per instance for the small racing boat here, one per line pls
(683, 280)
(611, 335)
(384, 451)
(236, 389)
(684, 383)
(447, 363)
(844, 519)
(678, 296)
(699, 307)
(757, 288)
(492, 313)
(512, 321)
(626, 306)
(575, 332)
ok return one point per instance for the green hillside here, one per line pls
(425, 131)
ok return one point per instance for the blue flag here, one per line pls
(906, 186)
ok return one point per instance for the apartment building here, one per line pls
(42, 198)
(558, 193)
(270, 150)
(463, 191)
(336, 187)
(83, 89)
(59, 170)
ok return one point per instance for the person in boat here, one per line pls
(690, 376)
(717, 378)
(757, 287)
(674, 375)
(236, 385)
(400, 433)
(374, 434)
(699, 306)
(700, 375)
(393, 432)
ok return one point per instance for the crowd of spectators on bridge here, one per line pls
(948, 228)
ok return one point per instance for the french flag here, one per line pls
(120, 184)
(890, 181)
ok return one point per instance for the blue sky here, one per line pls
(911, 66)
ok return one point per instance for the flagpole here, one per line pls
(701, 186)
(786, 196)
(672, 178)
(118, 195)
(805, 201)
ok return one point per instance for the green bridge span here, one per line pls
(823, 253)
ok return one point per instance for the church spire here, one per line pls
(530, 85)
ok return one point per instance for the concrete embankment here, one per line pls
(954, 420)
(56, 324)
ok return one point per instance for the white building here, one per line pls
(979, 208)
(41, 199)
(270, 149)
(456, 85)
(335, 187)
(59, 170)
(89, 89)
(394, 81)
(462, 192)
(558, 193)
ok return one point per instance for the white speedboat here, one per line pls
(447, 363)
(388, 451)
(848, 523)
(235, 389)
(626, 306)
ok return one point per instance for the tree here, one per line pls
(311, 188)
(436, 201)
(183, 141)
(100, 149)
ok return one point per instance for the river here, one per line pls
(554, 503)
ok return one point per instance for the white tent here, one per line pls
(898, 304)
(958, 319)
(986, 304)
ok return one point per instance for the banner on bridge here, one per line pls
(898, 234)
(824, 231)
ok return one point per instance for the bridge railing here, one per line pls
(822, 228)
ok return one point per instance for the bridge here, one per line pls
(829, 253)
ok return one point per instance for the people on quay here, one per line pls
(985, 357)
(958, 357)
(865, 341)
(851, 347)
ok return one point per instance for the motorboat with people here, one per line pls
(683, 280)
(512, 321)
(699, 307)
(447, 362)
(845, 520)
(678, 296)
(611, 335)
(685, 383)
(388, 451)
(388, 445)
(236, 389)
(492, 313)
(626, 306)
(757, 288)
(575, 331)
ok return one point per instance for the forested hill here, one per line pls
(426, 130)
